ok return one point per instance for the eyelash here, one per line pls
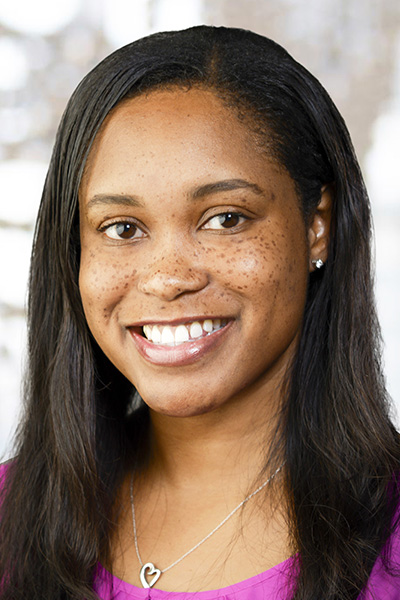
(226, 213)
(229, 213)
(132, 224)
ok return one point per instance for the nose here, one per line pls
(172, 273)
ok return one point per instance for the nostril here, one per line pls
(168, 285)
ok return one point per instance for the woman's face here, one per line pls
(195, 255)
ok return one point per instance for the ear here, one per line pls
(319, 228)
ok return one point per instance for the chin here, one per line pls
(181, 408)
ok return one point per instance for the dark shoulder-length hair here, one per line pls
(340, 447)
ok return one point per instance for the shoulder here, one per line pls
(384, 581)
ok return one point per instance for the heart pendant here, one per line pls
(152, 570)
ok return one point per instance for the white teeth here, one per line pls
(169, 335)
(181, 334)
(196, 330)
(208, 325)
(155, 335)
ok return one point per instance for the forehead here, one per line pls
(184, 104)
(192, 115)
(191, 134)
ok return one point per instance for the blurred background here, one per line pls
(46, 47)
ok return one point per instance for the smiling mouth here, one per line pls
(169, 335)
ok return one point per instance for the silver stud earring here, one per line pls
(318, 263)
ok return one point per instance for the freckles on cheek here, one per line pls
(256, 266)
(101, 289)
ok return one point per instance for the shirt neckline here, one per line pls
(273, 573)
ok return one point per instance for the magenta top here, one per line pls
(273, 584)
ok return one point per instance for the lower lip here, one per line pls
(183, 354)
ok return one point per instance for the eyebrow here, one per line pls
(226, 185)
(119, 199)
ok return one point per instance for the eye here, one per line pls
(123, 230)
(226, 220)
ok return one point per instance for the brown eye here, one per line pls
(123, 231)
(225, 220)
(229, 219)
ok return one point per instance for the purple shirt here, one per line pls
(273, 584)
(270, 585)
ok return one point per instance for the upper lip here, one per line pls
(178, 321)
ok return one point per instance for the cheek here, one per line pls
(271, 279)
(260, 265)
(102, 284)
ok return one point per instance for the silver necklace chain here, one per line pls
(158, 572)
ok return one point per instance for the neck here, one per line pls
(224, 447)
(201, 468)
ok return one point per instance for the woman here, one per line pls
(205, 406)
